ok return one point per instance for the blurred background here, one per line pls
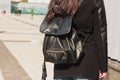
(21, 42)
(25, 6)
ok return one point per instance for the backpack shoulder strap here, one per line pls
(44, 72)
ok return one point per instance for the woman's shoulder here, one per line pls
(89, 3)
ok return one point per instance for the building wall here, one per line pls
(5, 5)
(113, 19)
(26, 8)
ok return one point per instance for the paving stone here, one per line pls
(10, 67)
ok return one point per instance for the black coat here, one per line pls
(90, 17)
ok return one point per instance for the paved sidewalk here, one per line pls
(26, 18)
(10, 67)
(21, 37)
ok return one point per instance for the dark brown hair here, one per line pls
(70, 6)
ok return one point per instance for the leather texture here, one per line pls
(96, 46)
(57, 26)
(103, 31)
(62, 44)
(63, 49)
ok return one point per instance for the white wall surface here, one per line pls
(113, 21)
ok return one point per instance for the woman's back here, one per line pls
(89, 18)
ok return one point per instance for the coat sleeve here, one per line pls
(103, 61)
